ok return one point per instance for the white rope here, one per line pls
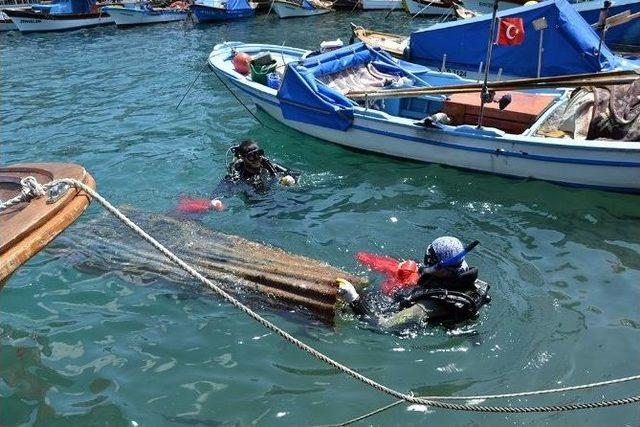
(407, 397)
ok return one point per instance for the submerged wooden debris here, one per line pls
(235, 263)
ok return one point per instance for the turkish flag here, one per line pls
(510, 31)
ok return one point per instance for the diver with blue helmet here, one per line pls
(447, 290)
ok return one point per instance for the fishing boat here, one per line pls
(6, 24)
(394, 44)
(312, 98)
(63, 16)
(28, 227)
(567, 45)
(448, 7)
(294, 9)
(381, 4)
(625, 35)
(221, 10)
(143, 13)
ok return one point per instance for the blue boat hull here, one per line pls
(212, 14)
(623, 35)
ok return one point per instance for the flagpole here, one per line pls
(485, 96)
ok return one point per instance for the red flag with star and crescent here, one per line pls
(510, 31)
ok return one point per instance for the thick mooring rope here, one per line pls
(31, 190)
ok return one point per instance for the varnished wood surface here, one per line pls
(28, 227)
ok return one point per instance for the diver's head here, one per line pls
(250, 152)
(444, 249)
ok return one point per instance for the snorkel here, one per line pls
(449, 262)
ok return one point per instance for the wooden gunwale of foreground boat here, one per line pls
(29, 226)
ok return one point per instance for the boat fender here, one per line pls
(241, 63)
(436, 120)
(406, 54)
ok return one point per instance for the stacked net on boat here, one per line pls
(363, 78)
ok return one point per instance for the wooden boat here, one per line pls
(394, 124)
(139, 14)
(28, 227)
(245, 268)
(392, 43)
(29, 21)
(293, 9)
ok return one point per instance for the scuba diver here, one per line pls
(444, 289)
(251, 166)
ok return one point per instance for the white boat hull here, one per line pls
(381, 4)
(126, 17)
(607, 165)
(41, 25)
(480, 6)
(7, 25)
(285, 10)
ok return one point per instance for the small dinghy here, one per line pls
(28, 227)
(218, 10)
(143, 13)
(391, 43)
(293, 9)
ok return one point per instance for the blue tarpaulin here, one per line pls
(570, 44)
(237, 4)
(305, 99)
(72, 6)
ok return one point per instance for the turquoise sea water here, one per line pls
(86, 348)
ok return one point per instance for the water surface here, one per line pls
(88, 348)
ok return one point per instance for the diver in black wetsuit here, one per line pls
(447, 290)
(252, 167)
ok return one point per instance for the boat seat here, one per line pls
(518, 116)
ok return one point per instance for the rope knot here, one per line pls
(31, 189)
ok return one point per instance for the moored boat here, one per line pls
(294, 9)
(6, 24)
(312, 100)
(29, 21)
(139, 14)
(63, 16)
(626, 35)
(219, 10)
(381, 4)
(29, 226)
(567, 46)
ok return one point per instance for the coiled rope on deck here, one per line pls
(32, 189)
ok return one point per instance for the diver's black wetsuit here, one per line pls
(259, 179)
(434, 299)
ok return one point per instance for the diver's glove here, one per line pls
(347, 291)
(288, 181)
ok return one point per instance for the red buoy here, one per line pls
(241, 63)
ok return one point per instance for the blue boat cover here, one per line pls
(627, 34)
(570, 44)
(307, 5)
(305, 99)
(237, 4)
(72, 6)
